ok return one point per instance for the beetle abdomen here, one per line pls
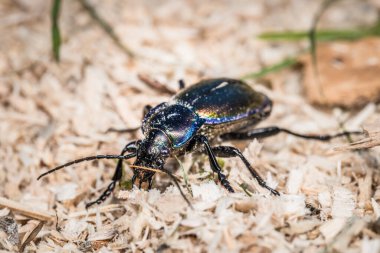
(223, 101)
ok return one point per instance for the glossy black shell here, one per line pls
(211, 107)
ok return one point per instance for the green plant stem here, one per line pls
(106, 27)
(322, 35)
(288, 62)
(55, 33)
(185, 177)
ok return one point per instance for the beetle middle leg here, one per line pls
(228, 151)
(214, 163)
(274, 130)
(130, 147)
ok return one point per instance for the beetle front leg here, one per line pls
(227, 151)
(214, 163)
(130, 147)
(274, 130)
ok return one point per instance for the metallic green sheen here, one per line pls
(223, 100)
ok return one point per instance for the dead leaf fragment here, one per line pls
(347, 73)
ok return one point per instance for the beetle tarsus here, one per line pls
(214, 163)
(274, 130)
(104, 195)
(263, 184)
(228, 151)
(325, 137)
(130, 147)
(225, 182)
(273, 191)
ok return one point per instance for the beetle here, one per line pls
(208, 111)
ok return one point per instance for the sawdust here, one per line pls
(53, 113)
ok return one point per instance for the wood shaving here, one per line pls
(41, 215)
(52, 113)
(372, 140)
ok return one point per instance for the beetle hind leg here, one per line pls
(227, 151)
(274, 130)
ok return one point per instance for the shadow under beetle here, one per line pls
(224, 109)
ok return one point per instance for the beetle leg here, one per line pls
(273, 130)
(104, 195)
(181, 84)
(134, 177)
(130, 147)
(214, 163)
(155, 84)
(146, 109)
(150, 183)
(122, 131)
(227, 151)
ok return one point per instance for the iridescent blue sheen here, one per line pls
(208, 103)
(219, 101)
(178, 122)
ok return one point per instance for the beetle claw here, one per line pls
(229, 188)
(273, 191)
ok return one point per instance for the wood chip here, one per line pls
(352, 228)
(371, 141)
(29, 237)
(25, 210)
(52, 113)
(95, 210)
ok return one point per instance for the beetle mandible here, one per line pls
(222, 108)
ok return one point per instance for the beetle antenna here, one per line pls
(175, 180)
(88, 158)
(178, 186)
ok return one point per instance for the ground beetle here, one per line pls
(224, 109)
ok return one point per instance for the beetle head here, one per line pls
(151, 153)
